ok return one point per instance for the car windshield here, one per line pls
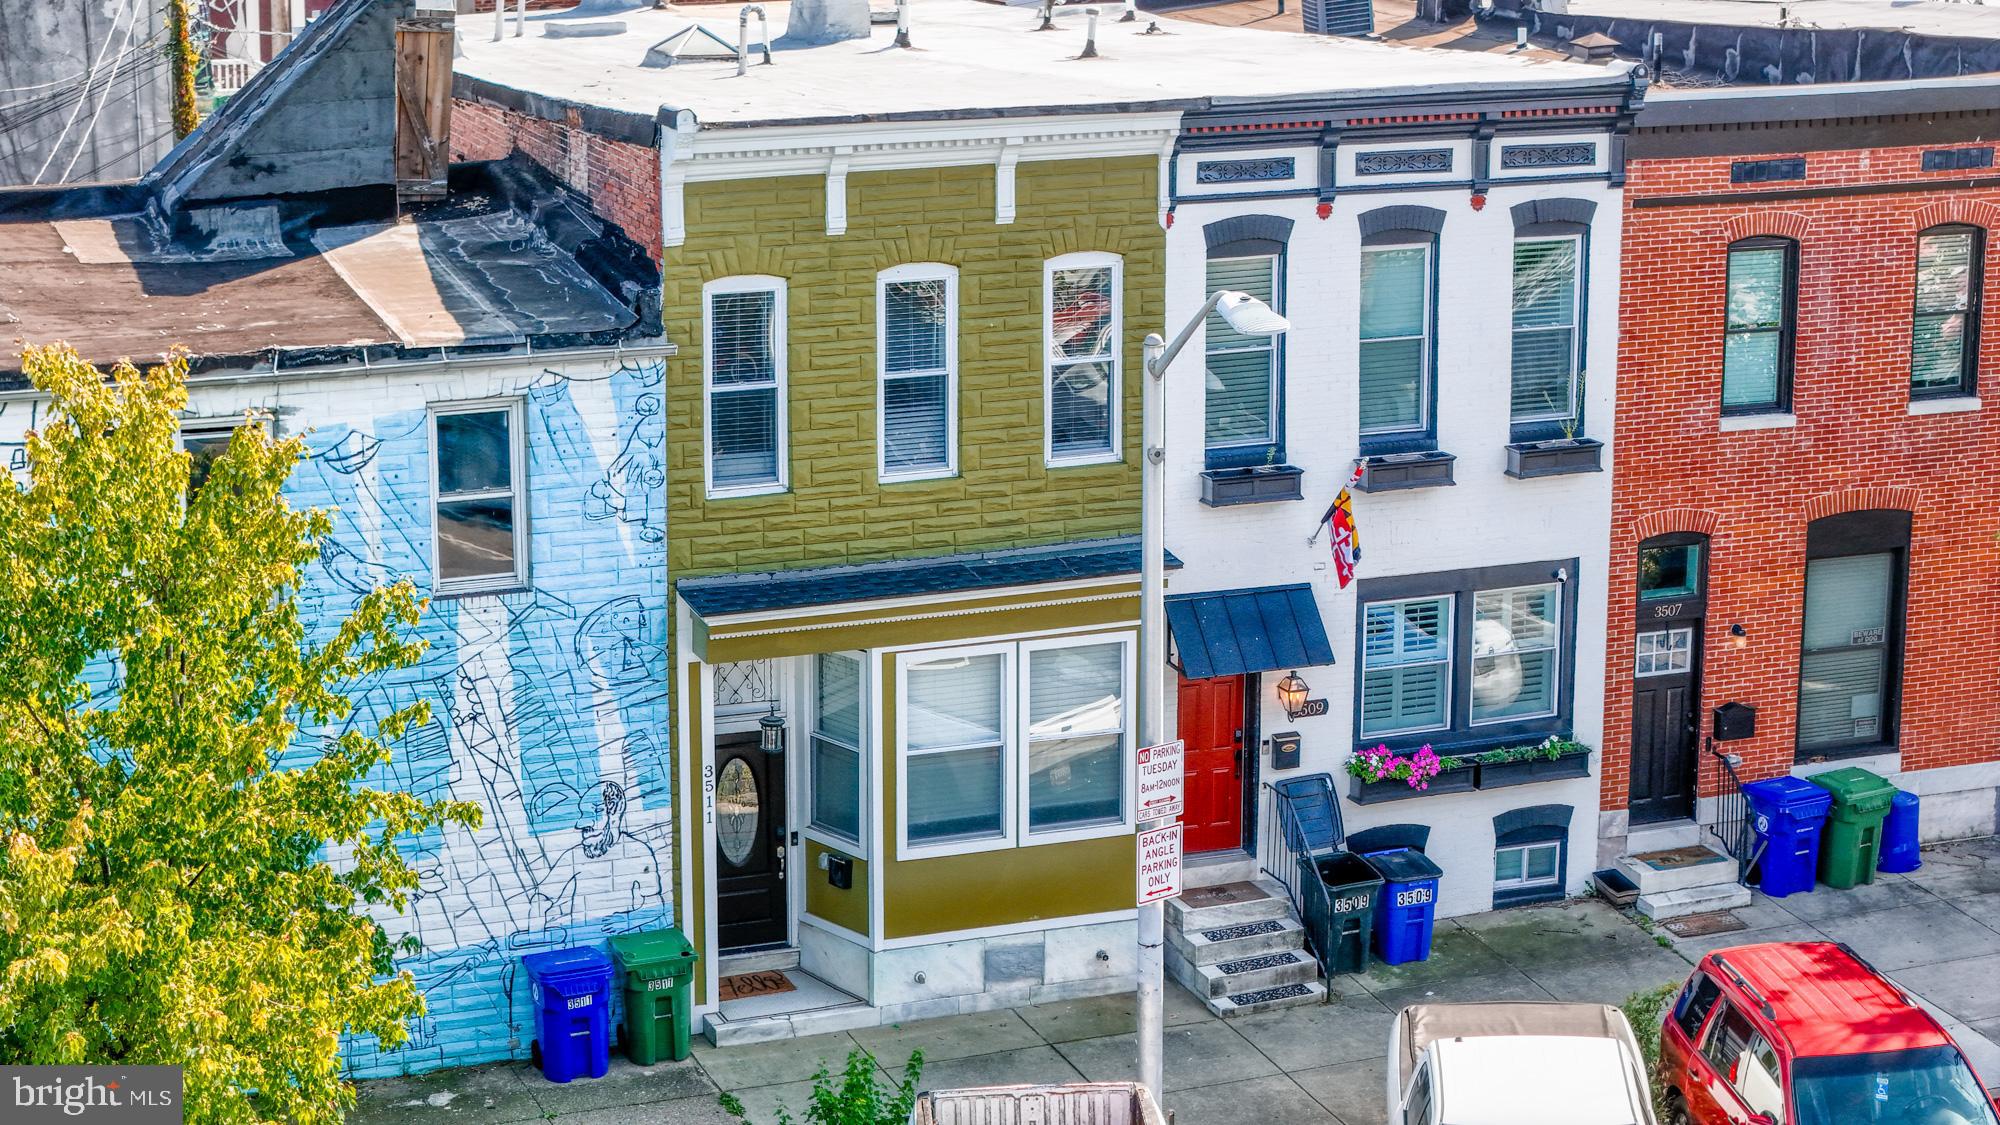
(1924, 1086)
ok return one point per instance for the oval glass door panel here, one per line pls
(736, 812)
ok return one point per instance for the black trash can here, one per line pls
(1340, 890)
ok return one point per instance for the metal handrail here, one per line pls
(1280, 845)
(1732, 815)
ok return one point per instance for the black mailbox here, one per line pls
(839, 872)
(1734, 721)
(1285, 750)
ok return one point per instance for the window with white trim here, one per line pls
(744, 369)
(1014, 743)
(836, 746)
(917, 347)
(1514, 658)
(1406, 666)
(479, 489)
(206, 439)
(1082, 295)
(1242, 378)
(1527, 865)
(1545, 341)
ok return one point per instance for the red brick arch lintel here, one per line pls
(1861, 500)
(1766, 224)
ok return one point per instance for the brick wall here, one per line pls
(836, 511)
(1855, 445)
(621, 180)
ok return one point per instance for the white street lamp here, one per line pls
(1252, 317)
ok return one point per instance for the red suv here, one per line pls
(1807, 1033)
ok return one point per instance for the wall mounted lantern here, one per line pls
(1292, 693)
(1738, 635)
(771, 732)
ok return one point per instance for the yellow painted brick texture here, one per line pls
(836, 511)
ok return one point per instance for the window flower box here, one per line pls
(1458, 779)
(1557, 759)
(1259, 484)
(1389, 472)
(1555, 457)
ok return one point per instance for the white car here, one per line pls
(1516, 1064)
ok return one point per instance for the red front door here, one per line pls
(1211, 723)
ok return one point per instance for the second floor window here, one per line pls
(1545, 330)
(1083, 338)
(1395, 339)
(481, 520)
(919, 357)
(1757, 330)
(745, 358)
(1944, 335)
(1242, 376)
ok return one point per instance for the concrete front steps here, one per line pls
(1690, 879)
(1240, 948)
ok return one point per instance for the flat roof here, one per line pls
(1824, 101)
(1924, 17)
(974, 59)
(1827, 1002)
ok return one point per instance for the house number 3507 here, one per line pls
(1673, 610)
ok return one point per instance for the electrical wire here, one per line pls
(83, 138)
(131, 8)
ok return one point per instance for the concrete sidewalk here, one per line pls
(1936, 931)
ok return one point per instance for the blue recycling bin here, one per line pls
(1407, 914)
(1788, 814)
(572, 996)
(1899, 835)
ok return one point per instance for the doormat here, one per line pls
(1674, 859)
(1224, 894)
(770, 982)
(1705, 925)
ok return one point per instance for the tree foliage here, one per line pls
(182, 851)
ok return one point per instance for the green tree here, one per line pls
(182, 854)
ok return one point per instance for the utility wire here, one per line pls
(83, 138)
(130, 7)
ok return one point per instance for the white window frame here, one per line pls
(517, 490)
(1524, 882)
(1450, 662)
(827, 836)
(1274, 433)
(1091, 259)
(1555, 649)
(731, 286)
(1125, 824)
(1679, 657)
(925, 271)
(1009, 752)
(1575, 335)
(1427, 336)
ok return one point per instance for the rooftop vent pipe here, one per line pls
(902, 23)
(1090, 34)
(1048, 16)
(1131, 12)
(818, 22)
(743, 36)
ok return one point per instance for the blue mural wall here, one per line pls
(548, 705)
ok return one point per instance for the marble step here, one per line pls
(1268, 999)
(1693, 900)
(1678, 869)
(1182, 916)
(1251, 974)
(1238, 940)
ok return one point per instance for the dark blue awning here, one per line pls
(1230, 632)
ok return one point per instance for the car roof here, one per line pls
(1511, 1080)
(1825, 1000)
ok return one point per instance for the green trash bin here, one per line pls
(1852, 840)
(659, 971)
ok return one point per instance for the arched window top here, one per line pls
(1243, 236)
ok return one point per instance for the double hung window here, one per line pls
(745, 372)
(1546, 339)
(1851, 644)
(918, 346)
(1758, 326)
(478, 466)
(1944, 335)
(836, 746)
(1014, 743)
(1396, 339)
(1243, 379)
(1082, 296)
(1406, 666)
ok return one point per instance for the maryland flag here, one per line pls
(1346, 539)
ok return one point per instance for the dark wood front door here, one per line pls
(751, 903)
(1211, 723)
(1665, 684)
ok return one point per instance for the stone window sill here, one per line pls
(1732, 423)
(1955, 404)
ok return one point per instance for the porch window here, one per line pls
(836, 746)
(1757, 329)
(1082, 298)
(1395, 339)
(919, 358)
(1076, 736)
(479, 475)
(1242, 377)
(1545, 330)
(745, 373)
(955, 739)
(1945, 331)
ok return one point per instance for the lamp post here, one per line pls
(1252, 317)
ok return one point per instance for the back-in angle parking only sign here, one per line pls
(1160, 864)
